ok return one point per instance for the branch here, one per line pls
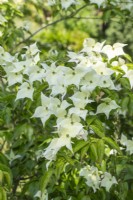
(98, 18)
(87, 18)
(52, 23)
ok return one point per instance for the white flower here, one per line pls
(53, 74)
(102, 69)
(90, 81)
(75, 57)
(32, 49)
(128, 143)
(108, 180)
(90, 45)
(98, 2)
(14, 78)
(106, 82)
(92, 176)
(43, 111)
(107, 106)
(55, 146)
(129, 75)
(79, 112)
(51, 2)
(5, 57)
(37, 74)
(80, 99)
(73, 77)
(67, 3)
(113, 51)
(50, 105)
(84, 66)
(59, 88)
(124, 140)
(72, 129)
(59, 109)
(95, 178)
(25, 91)
(29, 67)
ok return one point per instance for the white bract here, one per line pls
(67, 3)
(98, 2)
(129, 75)
(51, 2)
(92, 176)
(95, 178)
(107, 181)
(25, 90)
(128, 143)
(107, 106)
(113, 51)
(81, 99)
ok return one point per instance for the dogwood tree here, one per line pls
(66, 119)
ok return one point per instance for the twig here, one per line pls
(52, 23)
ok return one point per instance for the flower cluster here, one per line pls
(97, 179)
(94, 67)
(24, 71)
(69, 93)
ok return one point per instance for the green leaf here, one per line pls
(128, 57)
(124, 103)
(7, 174)
(59, 166)
(125, 83)
(84, 151)
(97, 130)
(118, 69)
(3, 195)
(90, 119)
(45, 179)
(130, 105)
(130, 65)
(5, 168)
(3, 159)
(107, 15)
(100, 150)
(96, 125)
(86, 198)
(128, 169)
(112, 144)
(1, 177)
(8, 179)
(79, 145)
(93, 151)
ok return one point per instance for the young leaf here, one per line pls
(79, 145)
(93, 151)
(112, 143)
(100, 150)
(45, 179)
(84, 151)
(97, 130)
